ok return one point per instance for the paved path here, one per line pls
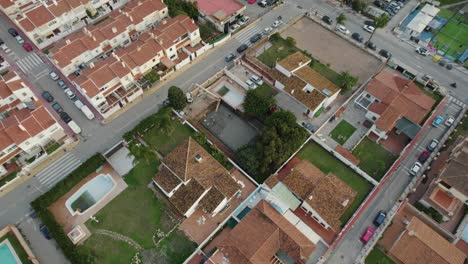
(120, 237)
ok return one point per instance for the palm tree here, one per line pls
(340, 20)
(347, 80)
(164, 123)
(142, 153)
(380, 22)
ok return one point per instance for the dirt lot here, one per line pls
(330, 48)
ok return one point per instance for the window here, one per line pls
(367, 95)
(374, 118)
(184, 36)
(170, 49)
(41, 135)
(11, 99)
(26, 143)
(24, 94)
(154, 60)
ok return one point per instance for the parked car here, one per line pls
(74, 127)
(432, 145)
(57, 107)
(384, 53)
(1, 42)
(277, 23)
(367, 235)
(69, 94)
(243, 20)
(87, 112)
(62, 84)
(442, 63)
(437, 121)
(369, 23)
(256, 38)
(251, 1)
(449, 66)
(27, 47)
(5, 48)
(47, 96)
(256, 79)
(343, 30)
(369, 29)
(262, 3)
(371, 45)
(251, 84)
(230, 57)
(421, 51)
(235, 27)
(19, 39)
(424, 156)
(357, 37)
(327, 20)
(45, 231)
(80, 104)
(13, 32)
(450, 121)
(267, 30)
(65, 117)
(53, 76)
(415, 168)
(379, 218)
(242, 48)
(378, 4)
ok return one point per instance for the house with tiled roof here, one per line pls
(263, 235)
(25, 125)
(419, 243)
(448, 193)
(393, 102)
(324, 196)
(221, 13)
(191, 178)
(43, 21)
(294, 76)
(117, 30)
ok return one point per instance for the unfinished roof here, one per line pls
(294, 61)
(399, 97)
(187, 195)
(420, 244)
(166, 179)
(316, 80)
(456, 172)
(260, 235)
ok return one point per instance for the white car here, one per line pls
(277, 23)
(415, 168)
(5, 49)
(267, 30)
(70, 94)
(251, 84)
(369, 29)
(422, 51)
(450, 121)
(235, 27)
(243, 20)
(19, 39)
(53, 76)
(343, 30)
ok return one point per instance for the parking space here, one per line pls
(329, 48)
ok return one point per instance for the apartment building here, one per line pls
(113, 82)
(117, 30)
(26, 126)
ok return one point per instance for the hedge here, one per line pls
(214, 151)
(41, 204)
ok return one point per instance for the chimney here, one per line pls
(68, 41)
(138, 48)
(164, 22)
(55, 2)
(198, 158)
(292, 91)
(131, 18)
(91, 65)
(123, 64)
(21, 127)
(114, 30)
(300, 63)
(345, 203)
(94, 38)
(411, 233)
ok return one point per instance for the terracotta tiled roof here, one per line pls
(260, 235)
(6, 3)
(402, 98)
(139, 10)
(211, 200)
(39, 15)
(170, 30)
(5, 140)
(420, 244)
(166, 179)
(319, 82)
(294, 61)
(140, 51)
(303, 178)
(219, 9)
(187, 195)
(456, 172)
(378, 108)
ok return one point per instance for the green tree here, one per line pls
(340, 20)
(347, 80)
(359, 5)
(257, 105)
(182, 7)
(142, 153)
(290, 41)
(164, 123)
(380, 22)
(248, 158)
(275, 36)
(177, 98)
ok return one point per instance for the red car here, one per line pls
(27, 47)
(251, 1)
(424, 155)
(367, 234)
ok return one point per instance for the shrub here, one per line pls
(177, 98)
(213, 150)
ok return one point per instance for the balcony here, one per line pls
(120, 97)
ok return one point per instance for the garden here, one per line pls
(329, 164)
(376, 256)
(342, 132)
(374, 159)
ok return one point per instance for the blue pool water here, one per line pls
(95, 189)
(6, 256)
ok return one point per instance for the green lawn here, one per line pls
(327, 72)
(266, 90)
(454, 34)
(279, 50)
(342, 132)
(327, 163)
(17, 247)
(376, 256)
(163, 142)
(375, 160)
(136, 213)
(9, 177)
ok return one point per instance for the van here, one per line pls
(78, 104)
(74, 127)
(378, 220)
(256, 79)
(87, 112)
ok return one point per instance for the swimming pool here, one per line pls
(7, 254)
(90, 194)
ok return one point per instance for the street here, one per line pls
(96, 137)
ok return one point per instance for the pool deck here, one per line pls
(69, 221)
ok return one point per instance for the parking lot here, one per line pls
(329, 48)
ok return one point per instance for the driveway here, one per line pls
(329, 48)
